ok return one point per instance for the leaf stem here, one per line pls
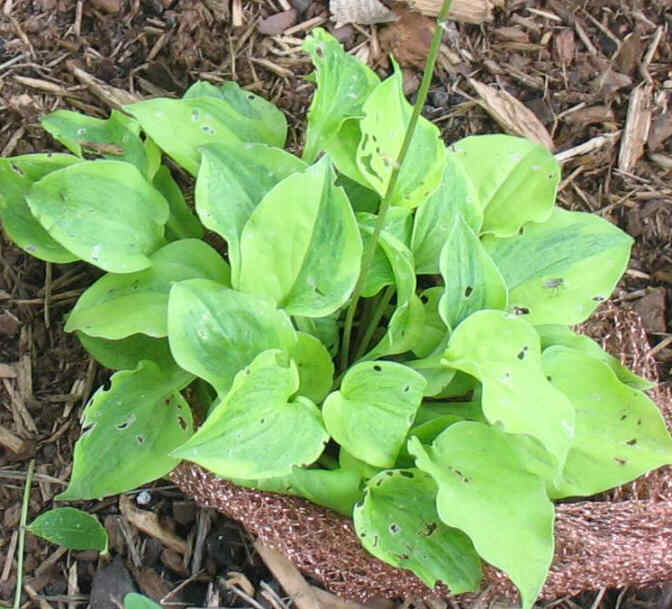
(22, 533)
(367, 256)
(381, 305)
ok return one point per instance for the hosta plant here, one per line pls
(391, 340)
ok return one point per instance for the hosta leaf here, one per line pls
(262, 119)
(620, 432)
(435, 218)
(486, 491)
(182, 223)
(316, 370)
(433, 369)
(301, 246)
(387, 114)
(555, 335)
(398, 523)
(72, 528)
(17, 175)
(128, 432)
(181, 126)
(214, 332)
(361, 198)
(257, 430)
(558, 272)
(127, 353)
(338, 489)
(233, 179)
(435, 330)
(374, 410)
(138, 601)
(516, 180)
(349, 462)
(342, 150)
(472, 281)
(103, 211)
(343, 84)
(325, 329)
(504, 353)
(115, 138)
(118, 305)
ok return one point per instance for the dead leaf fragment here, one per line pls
(661, 129)
(278, 23)
(148, 522)
(363, 12)
(466, 11)
(513, 116)
(637, 125)
(408, 39)
(651, 308)
(564, 46)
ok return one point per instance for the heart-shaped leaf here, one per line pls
(397, 522)
(316, 370)
(81, 206)
(215, 332)
(72, 528)
(374, 410)
(301, 246)
(240, 438)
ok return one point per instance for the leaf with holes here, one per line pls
(558, 272)
(17, 176)
(116, 138)
(555, 335)
(82, 207)
(486, 491)
(258, 430)
(214, 332)
(343, 84)
(374, 410)
(398, 523)
(301, 246)
(128, 432)
(118, 305)
(516, 180)
(504, 353)
(620, 432)
(472, 281)
(72, 528)
(435, 218)
(337, 489)
(232, 181)
(387, 114)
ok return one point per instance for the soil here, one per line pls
(578, 66)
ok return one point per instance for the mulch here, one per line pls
(596, 74)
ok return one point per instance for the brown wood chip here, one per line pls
(637, 125)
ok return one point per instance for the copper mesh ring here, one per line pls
(625, 538)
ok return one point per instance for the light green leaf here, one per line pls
(17, 175)
(72, 528)
(337, 489)
(552, 335)
(504, 353)
(435, 330)
(435, 218)
(342, 150)
(435, 372)
(472, 281)
(117, 306)
(214, 332)
(387, 114)
(127, 353)
(361, 198)
(257, 430)
(364, 470)
(133, 600)
(316, 370)
(181, 126)
(182, 223)
(561, 270)
(105, 212)
(374, 410)
(116, 138)
(154, 157)
(516, 180)
(233, 179)
(301, 246)
(262, 119)
(485, 491)
(620, 432)
(398, 523)
(343, 84)
(325, 329)
(128, 432)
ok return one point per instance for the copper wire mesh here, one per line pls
(623, 538)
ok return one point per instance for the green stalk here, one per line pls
(367, 257)
(381, 305)
(22, 533)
